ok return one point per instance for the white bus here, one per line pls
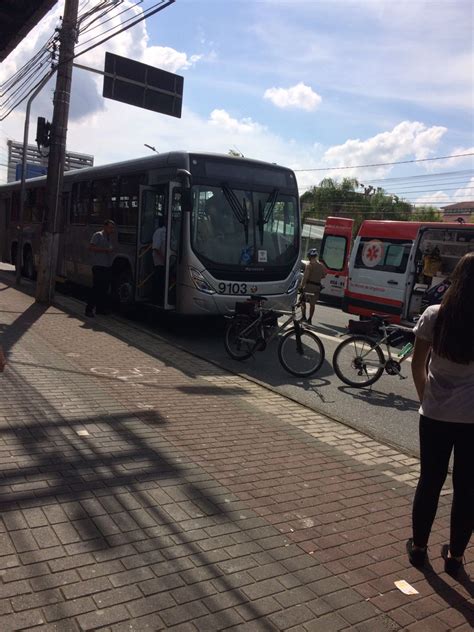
(232, 229)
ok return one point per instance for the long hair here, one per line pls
(453, 336)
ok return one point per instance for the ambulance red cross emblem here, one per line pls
(372, 253)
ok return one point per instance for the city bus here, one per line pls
(232, 229)
(387, 268)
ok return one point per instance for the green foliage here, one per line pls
(350, 199)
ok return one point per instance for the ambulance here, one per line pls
(334, 255)
(393, 264)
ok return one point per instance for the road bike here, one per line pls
(252, 327)
(360, 361)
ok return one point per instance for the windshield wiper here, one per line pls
(264, 218)
(240, 211)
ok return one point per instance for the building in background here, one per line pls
(460, 211)
(37, 163)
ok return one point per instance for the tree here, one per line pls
(343, 199)
(427, 214)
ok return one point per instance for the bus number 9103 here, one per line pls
(232, 288)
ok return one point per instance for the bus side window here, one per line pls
(126, 213)
(39, 209)
(15, 206)
(30, 202)
(104, 200)
(81, 198)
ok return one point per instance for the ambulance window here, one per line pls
(394, 255)
(333, 252)
(383, 255)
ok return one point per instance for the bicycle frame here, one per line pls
(259, 326)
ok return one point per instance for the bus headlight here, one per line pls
(294, 282)
(200, 282)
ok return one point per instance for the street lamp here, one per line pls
(152, 148)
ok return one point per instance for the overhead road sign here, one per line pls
(147, 87)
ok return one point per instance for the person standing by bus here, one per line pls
(446, 391)
(310, 287)
(159, 260)
(101, 247)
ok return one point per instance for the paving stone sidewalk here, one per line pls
(143, 488)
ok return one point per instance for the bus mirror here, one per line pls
(185, 177)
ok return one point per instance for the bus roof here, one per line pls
(172, 160)
(400, 229)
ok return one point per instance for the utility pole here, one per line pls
(54, 182)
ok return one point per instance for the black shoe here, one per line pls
(417, 557)
(102, 312)
(451, 565)
(89, 313)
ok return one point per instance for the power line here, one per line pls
(385, 164)
(428, 175)
(160, 5)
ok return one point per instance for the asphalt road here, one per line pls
(386, 411)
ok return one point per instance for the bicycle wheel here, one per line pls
(301, 360)
(358, 361)
(237, 346)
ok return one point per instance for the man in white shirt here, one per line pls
(159, 260)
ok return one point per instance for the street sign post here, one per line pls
(141, 85)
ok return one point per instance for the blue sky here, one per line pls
(305, 83)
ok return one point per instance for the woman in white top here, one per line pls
(446, 391)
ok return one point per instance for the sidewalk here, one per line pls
(143, 488)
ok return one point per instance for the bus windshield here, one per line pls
(235, 227)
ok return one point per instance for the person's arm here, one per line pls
(419, 365)
(305, 277)
(3, 360)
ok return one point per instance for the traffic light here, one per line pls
(43, 132)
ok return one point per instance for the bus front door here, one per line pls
(150, 266)
(173, 245)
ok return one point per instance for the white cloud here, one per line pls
(168, 58)
(440, 198)
(86, 98)
(408, 139)
(299, 96)
(456, 163)
(222, 119)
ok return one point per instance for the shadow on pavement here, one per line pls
(464, 605)
(120, 485)
(377, 398)
(12, 333)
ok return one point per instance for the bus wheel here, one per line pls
(29, 265)
(123, 289)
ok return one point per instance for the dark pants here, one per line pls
(101, 279)
(159, 284)
(438, 439)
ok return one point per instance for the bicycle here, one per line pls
(360, 361)
(252, 327)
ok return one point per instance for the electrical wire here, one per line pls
(162, 4)
(385, 164)
(159, 6)
(428, 175)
